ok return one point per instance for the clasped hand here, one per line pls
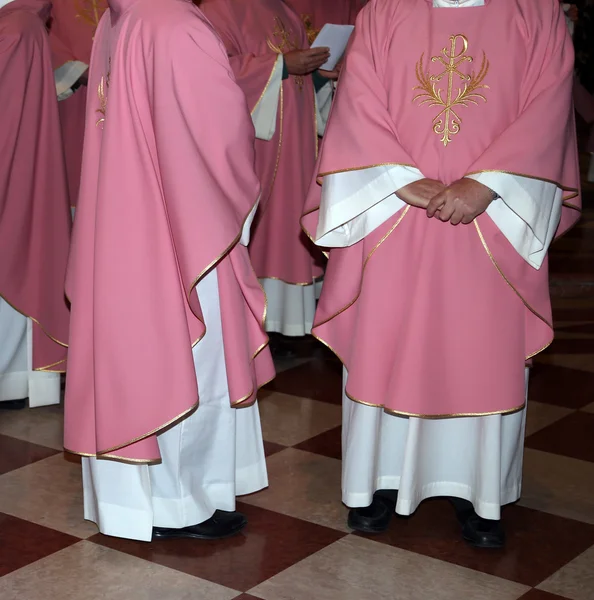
(461, 202)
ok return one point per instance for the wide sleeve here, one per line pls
(258, 74)
(358, 175)
(533, 164)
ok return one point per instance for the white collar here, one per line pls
(457, 3)
(3, 3)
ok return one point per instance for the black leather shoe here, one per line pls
(221, 525)
(478, 532)
(376, 517)
(13, 405)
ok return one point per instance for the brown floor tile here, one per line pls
(542, 415)
(327, 443)
(571, 436)
(558, 485)
(541, 595)
(575, 580)
(47, 492)
(271, 543)
(589, 408)
(290, 420)
(88, 571)
(246, 597)
(560, 386)
(548, 540)
(320, 380)
(15, 454)
(572, 346)
(271, 448)
(22, 543)
(580, 362)
(360, 569)
(43, 425)
(305, 486)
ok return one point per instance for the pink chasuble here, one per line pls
(167, 184)
(254, 33)
(34, 216)
(73, 25)
(316, 13)
(431, 319)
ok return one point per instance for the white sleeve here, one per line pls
(66, 76)
(527, 212)
(354, 203)
(247, 226)
(323, 103)
(265, 111)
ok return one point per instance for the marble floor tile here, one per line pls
(43, 425)
(320, 380)
(328, 443)
(558, 485)
(589, 408)
(580, 362)
(571, 436)
(270, 543)
(549, 540)
(87, 571)
(306, 486)
(289, 420)
(536, 594)
(360, 569)
(15, 454)
(48, 492)
(22, 543)
(560, 386)
(575, 580)
(542, 415)
(271, 448)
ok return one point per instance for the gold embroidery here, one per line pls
(286, 43)
(102, 94)
(447, 123)
(90, 11)
(312, 32)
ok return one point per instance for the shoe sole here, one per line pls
(196, 536)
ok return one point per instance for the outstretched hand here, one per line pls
(304, 62)
(461, 202)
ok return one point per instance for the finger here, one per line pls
(447, 211)
(318, 51)
(435, 204)
(457, 217)
(466, 219)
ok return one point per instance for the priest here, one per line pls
(439, 192)
(34, 217)
(269, 52)
(73, 26)
(167, 347)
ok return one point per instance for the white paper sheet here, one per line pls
(335, 37)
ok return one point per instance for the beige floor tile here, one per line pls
(559, 485)
(575, 580)
(290, 420)
(541, 415)
(87, 571)
(589, 408)
(582, 362)
(304, 485)
(48, 492)
(43, 426)
(359, 569)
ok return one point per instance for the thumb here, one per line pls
(435, 204)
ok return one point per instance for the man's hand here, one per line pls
(304, 62)
(420, 193)
(334, 74)
(461, 202)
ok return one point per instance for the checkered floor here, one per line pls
(297, 545)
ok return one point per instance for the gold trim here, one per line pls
(300, 283)
(386, 236)
(574, 191)
(266, 86)
(486, 247)
(51, 337)
(399, 413)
